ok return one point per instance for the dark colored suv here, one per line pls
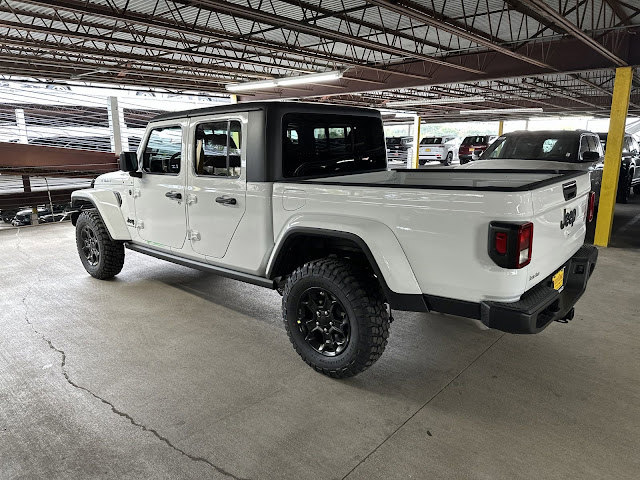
(398, 148)
(473, 146)
(629, 172)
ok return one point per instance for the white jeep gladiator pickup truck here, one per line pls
(297, 197)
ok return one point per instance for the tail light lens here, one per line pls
(592, 206)
(525, 242)
(510, 244)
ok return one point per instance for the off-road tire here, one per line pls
(111, 252)
(448, 159)
(363, 301)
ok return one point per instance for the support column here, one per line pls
(413, 161)
(501, 127)
(613, 155)
(115, 125)
(234, 98)
(22, 126)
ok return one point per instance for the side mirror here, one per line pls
(128, 162)
(590, 156)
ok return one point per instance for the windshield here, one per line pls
(394, 141)
(559, 148)
(473, 140)
(431, 141)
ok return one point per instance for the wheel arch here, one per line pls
(301, 244)
(107, 203)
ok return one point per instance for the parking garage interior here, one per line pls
(170, 372)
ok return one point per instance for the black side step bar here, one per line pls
(205, 267)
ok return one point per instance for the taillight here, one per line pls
(592, 206)
(501, 243)
(510, 244)
(525, 242)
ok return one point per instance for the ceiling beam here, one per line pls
(421, 13)
(227, 8)
(554, 17)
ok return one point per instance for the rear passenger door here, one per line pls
(216, 187)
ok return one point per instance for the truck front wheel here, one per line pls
(101, 256)
(335, 316)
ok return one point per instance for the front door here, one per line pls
(159, 194)
(216, 192)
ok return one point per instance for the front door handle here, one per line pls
(226, 200)
(173, 195)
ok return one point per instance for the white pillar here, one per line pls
(117, 127)
(22, 126)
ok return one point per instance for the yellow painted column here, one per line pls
(501, 127)
(613, 155)
(416, 142)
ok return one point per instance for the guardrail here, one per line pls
(35, 176)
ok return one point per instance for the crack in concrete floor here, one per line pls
(115, 410)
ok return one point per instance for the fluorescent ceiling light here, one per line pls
(241, 87)
(315, 77)
(501, 110)
(286, 81)
(435, 101)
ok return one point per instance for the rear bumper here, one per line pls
(541, 305)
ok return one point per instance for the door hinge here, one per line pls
(194, 235)
(191, 199)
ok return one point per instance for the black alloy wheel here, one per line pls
(323, 321)
(101, 256)
(90, 246)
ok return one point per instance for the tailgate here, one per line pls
(559, 225)
(431, 149)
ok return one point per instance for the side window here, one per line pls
(584, 146)
(548, 144)
(594, 144)
(626, 145)
(218, 148)
(163, 152)
(634, 146)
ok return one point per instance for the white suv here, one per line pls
(444, 149)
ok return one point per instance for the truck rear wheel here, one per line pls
(101, 256)
(335, 316)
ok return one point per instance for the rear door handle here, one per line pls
(173, 195)
(226, 200)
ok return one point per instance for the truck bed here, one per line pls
(451, 179)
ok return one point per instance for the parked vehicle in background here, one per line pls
(443, 149)
(342, 238)
(629, 172)
(23, 217)
(545, 150)
(56, 217)
(398, 148)
(472, 147)
(8, 214)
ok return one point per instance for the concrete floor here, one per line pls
(166, 372)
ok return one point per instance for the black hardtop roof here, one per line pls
(268, 105)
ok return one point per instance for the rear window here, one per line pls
(431, 141)
(559, 148)
(315, 144)
(474, 140)
(394, 141)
